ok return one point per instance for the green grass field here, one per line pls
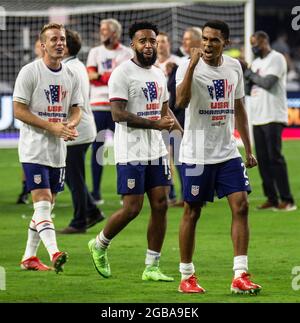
(273, 252)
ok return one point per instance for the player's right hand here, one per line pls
(165, 122)
(196, 53)
(62, 130)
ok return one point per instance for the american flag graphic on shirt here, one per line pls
(151, 91)
(107, 64)
(53, 95)
(219, 90)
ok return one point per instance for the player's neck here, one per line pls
(266, 52)
(137, 62)
(162, 58)
(112, 46)
(216, 62)
(53, 64)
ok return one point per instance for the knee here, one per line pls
(242, 208)
(160, 206)
(132, 211)
(192, 214)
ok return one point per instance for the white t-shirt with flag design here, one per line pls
(209, 119)
(145, 91)
(104, 60)
(49, 95)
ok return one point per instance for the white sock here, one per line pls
(152, 258)
(45, 226)
(102, 242)
(240, 265)
(187, 270)
(33, 241)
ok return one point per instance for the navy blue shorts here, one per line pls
(103, 120)
(138, 178)
(223, 178)
(41, 176)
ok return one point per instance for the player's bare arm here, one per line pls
(242, 127)
(93, 75)
(73, 120)
(22, 113)
(75, 116)
(183, 91)
(120, 114)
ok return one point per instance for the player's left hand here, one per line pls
(250, 161)
(72, 126)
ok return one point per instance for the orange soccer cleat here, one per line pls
(58, 261)
(34, 263)
(190, 285)
(243, 285)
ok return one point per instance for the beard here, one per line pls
(146, 61)
(107, 42)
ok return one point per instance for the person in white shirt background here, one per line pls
(48, 102)
(190, 39)
(86, 214)
(168, 63)
(269, 116)
(101, 61)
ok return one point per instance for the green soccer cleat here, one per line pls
(153, 273)
(100, 260)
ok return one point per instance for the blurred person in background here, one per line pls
(101, 61)
(269, 111)
(191, 38)
(168, 63)
(86, 214)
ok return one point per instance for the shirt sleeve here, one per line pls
(91, 60)
(165, 94)
(181, 70)
(278, 66)
(240, 89)
(76, 98)
(24, 86)
(118, 86)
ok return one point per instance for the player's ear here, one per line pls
(227, 42)
(132, 44)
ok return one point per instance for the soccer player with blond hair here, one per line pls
(48, 102)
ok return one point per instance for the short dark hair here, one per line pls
(73, 42)
(261, 34)
(142, 25)
(220, 25)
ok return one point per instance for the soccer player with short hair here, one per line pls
(210, 87)
(139, 98)
(47, 100)
(101, 61)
